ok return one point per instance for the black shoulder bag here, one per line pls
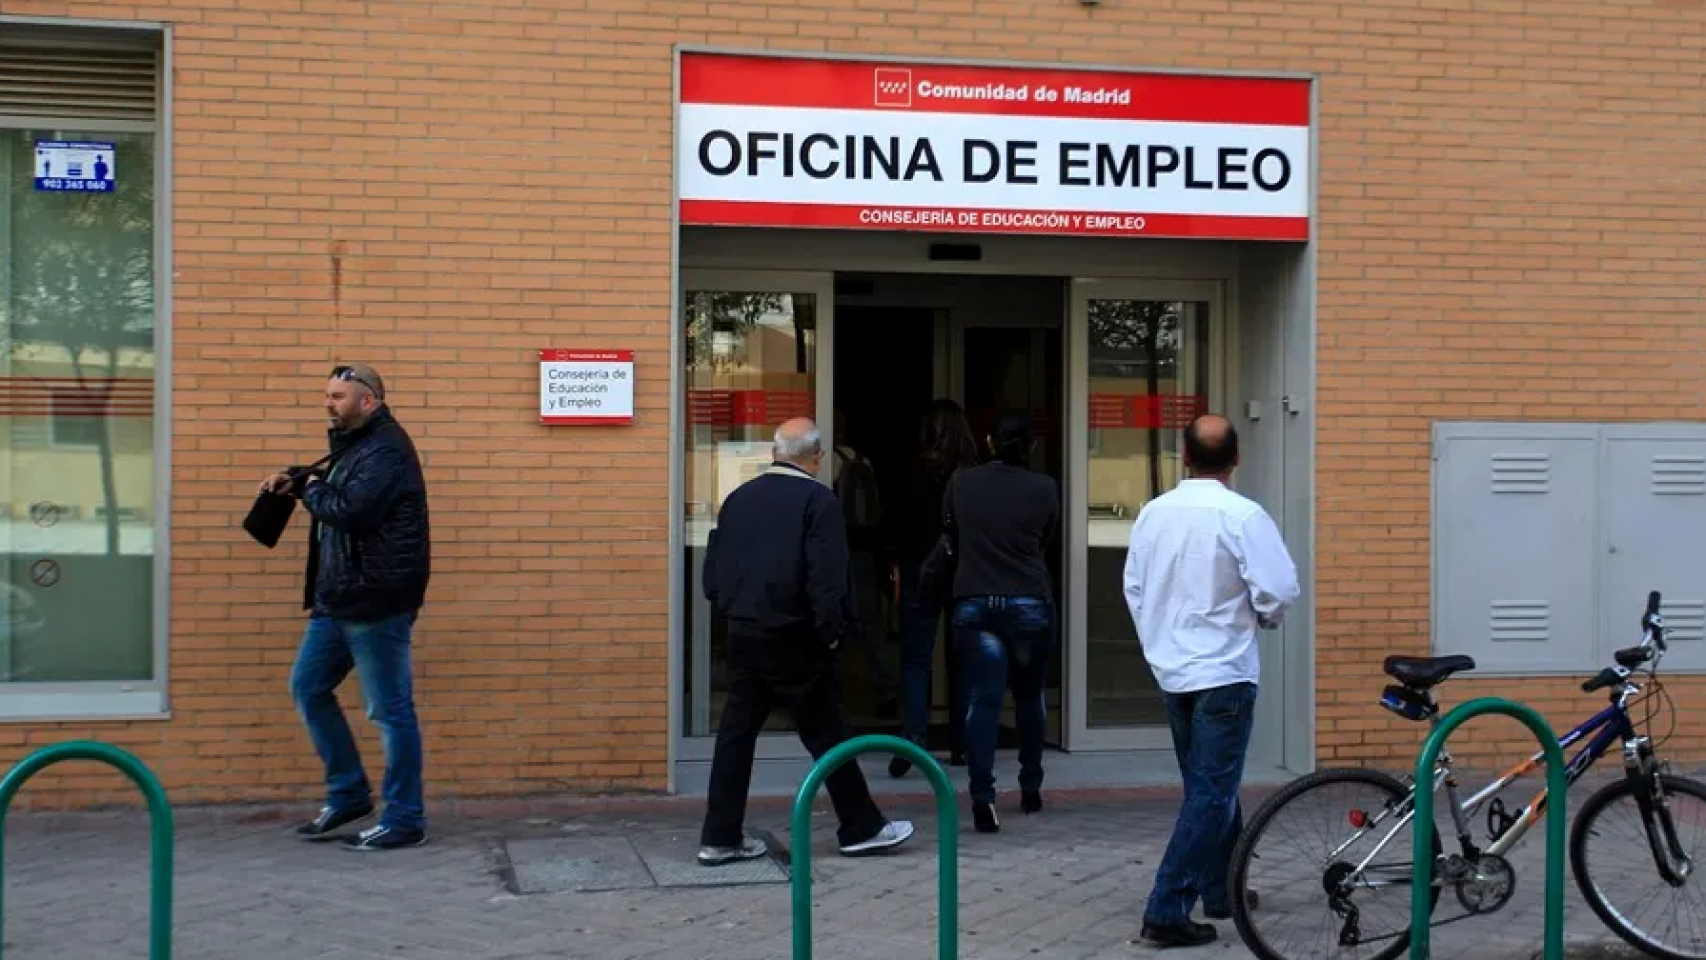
(270, 514)
(936, 572)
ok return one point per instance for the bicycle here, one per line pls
(1481, 876)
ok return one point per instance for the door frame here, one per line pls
(1080, 737)
(821, 284)
(1077, 737)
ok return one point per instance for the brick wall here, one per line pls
(1510, 204)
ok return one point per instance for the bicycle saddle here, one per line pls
(1421, 673)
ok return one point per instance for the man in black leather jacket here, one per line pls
(776, 568)
(368, 567)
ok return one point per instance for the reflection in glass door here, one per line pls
(751, 359)
(1142, 362)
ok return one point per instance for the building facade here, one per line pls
(1441, 265)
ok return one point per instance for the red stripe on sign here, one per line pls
(585, 421)
(586, 356)
(743, 213)
(991, 90)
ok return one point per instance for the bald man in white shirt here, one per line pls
(1206, 568)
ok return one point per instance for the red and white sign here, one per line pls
(586, 387)
(793, 142)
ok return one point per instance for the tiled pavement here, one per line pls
(1068, 883)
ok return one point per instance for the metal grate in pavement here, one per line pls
(577, 864)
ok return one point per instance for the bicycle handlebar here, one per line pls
(1652, 636)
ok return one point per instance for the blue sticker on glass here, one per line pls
(75, 166)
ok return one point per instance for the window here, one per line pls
(79, 362)
(1547, 538)
(751, 363)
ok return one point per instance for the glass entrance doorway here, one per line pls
(1110, 372)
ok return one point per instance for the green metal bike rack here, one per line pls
(947, 846)
(159, 827)
(1421, 880)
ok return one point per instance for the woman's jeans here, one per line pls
(1004, 644)
(920, 614)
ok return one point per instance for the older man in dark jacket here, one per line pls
(368, 566)
(777, 569)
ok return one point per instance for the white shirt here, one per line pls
(1205, 569)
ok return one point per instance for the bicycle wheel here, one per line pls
(1622, 863)
(1287, 913)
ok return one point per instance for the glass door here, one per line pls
(755, 352)
(1141, 365)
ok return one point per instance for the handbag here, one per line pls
(268, 517)
(936, 572)
(270, 514)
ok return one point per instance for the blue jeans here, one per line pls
(1004, 643)
(1211, 732)
(379, 651)
(920, 614)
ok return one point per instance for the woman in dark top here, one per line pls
(1003, 516)
(946, 445)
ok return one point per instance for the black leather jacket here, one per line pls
(374, 550)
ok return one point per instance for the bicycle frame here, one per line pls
(1601, 730)
(1607, 726)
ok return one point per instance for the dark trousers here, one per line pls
(1211, 733)
(920, 615)
(766, 673)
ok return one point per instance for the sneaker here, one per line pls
(984, 818)
(331, 820)
(893, 834)
(751, 848)
(385, 838)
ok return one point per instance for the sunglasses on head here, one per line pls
(342, 372)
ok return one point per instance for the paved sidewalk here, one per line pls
(1068, 883)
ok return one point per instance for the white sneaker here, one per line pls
(751, 848)
(893, 834)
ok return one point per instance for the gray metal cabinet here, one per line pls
(1547, 537)
(1653, 531)
(1513, 545)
